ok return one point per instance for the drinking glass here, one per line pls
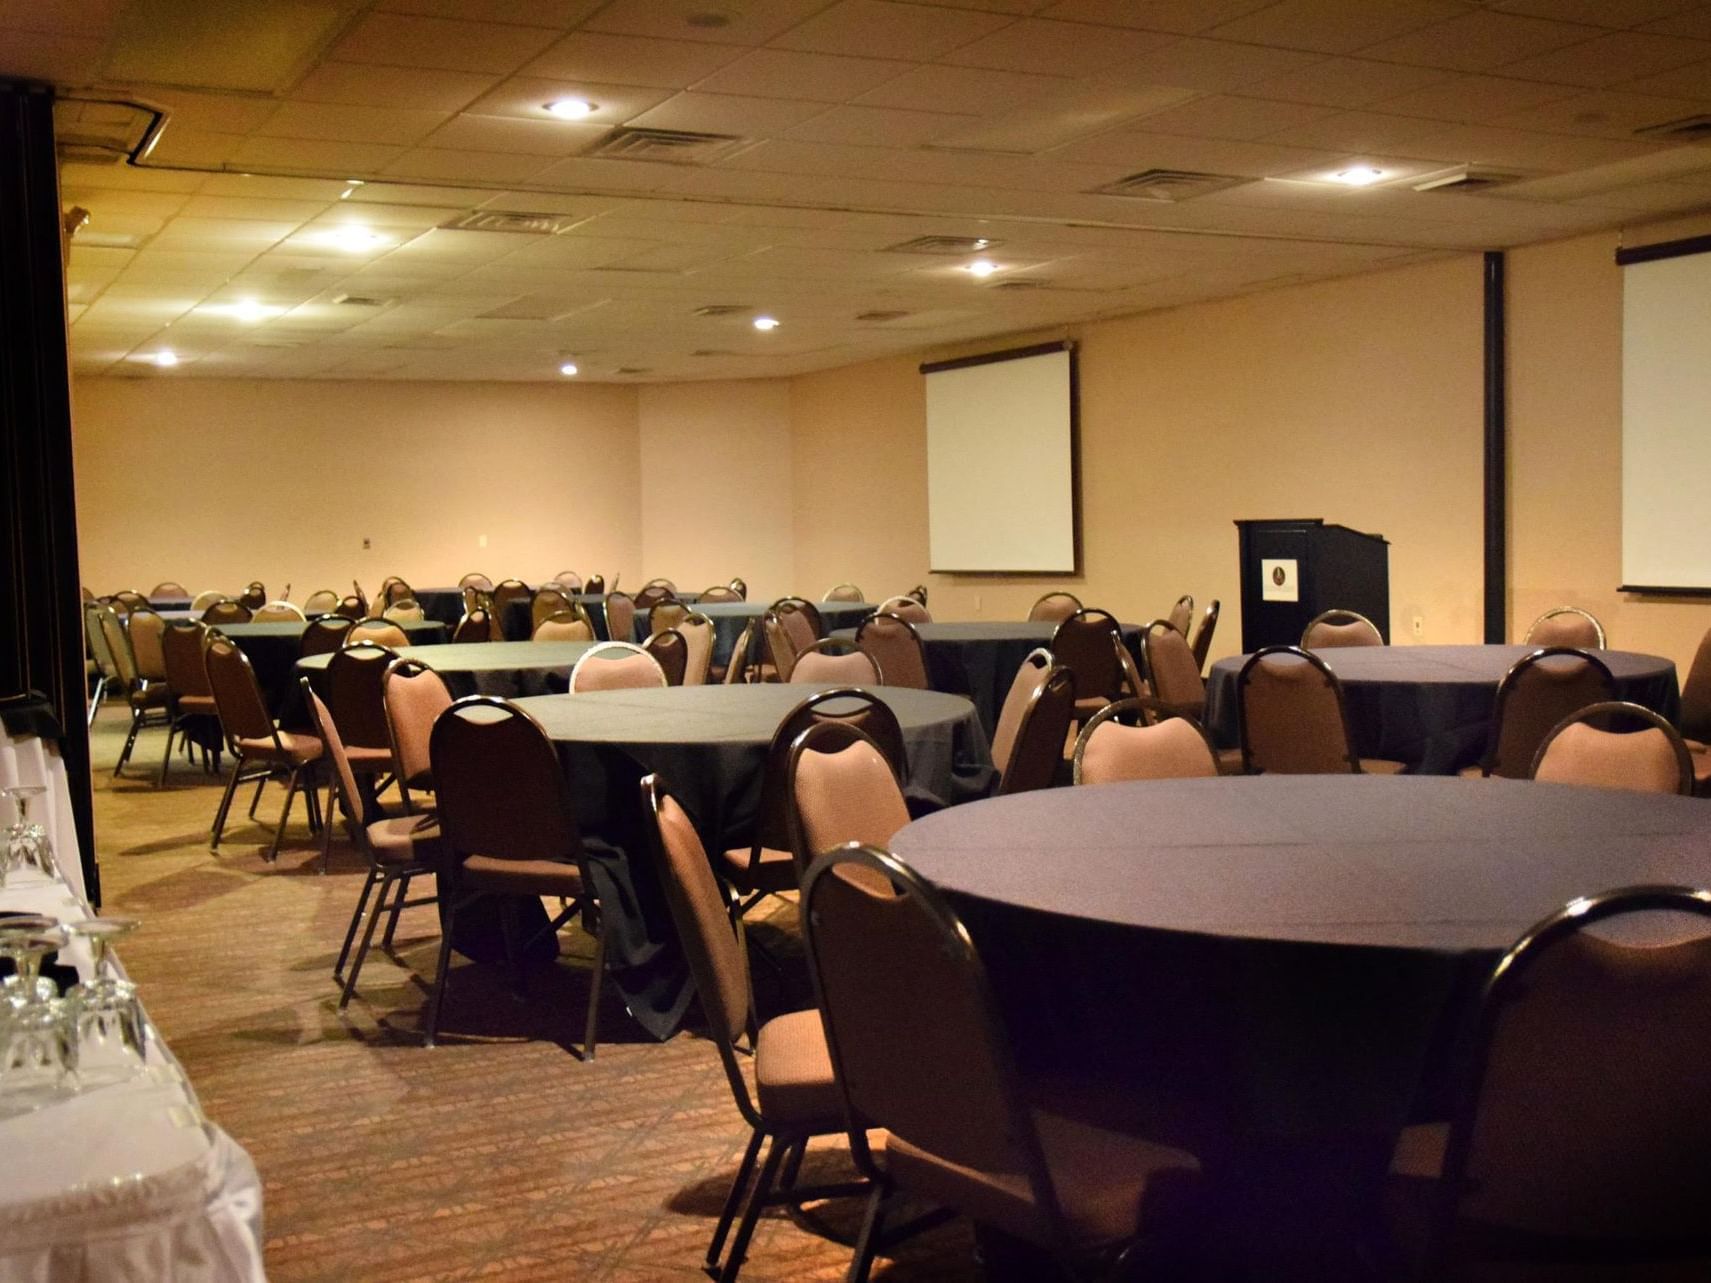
(25, 985)
(105, 1013)
(38, 1044)
(27, 844)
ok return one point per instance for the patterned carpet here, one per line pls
(498, 1154)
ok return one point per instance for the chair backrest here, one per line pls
(835, 659)
(278, 612)
(564, 625)
(651, 595)
(181, 652)
(620, 616)
(1695, 720)
(671, 652)
(910, 608)
(169, 588)
(254, 596)
(476, 626)
(616, 666)
(1035, 751)
(1106, 751)
(323, 635)
(1181, 614)
(842, 788)
(1170, 665)
(352, 607)
(206, 598)
(568, 581)
(916, 1040)
(121, 603)
(1292, 716)
(356, 676)
(407, 608)
(699, 632)
(1054, 608)
(802, 620)
(119, 647)
(1335, 628)
(237, 694)
(740, 587)
(95, 636)
(843, 592)
(1203, 635)
(736, 669)
(320, 602)
(896, 650)
(666, 614)
(1566, 626)
(1086, 643)
(323, 724)
(226, 611)
(549, 600)
(476, 580)
(145, 628)
(395, 590)
(660, 581)
(413, 696)
(381, 632)
(1030, 676)
(1538, 691)
(508, 591)
(1581, 1116)
(1652, 759)
(498, 785)
(595, 585)
(719, 592)
(780, 646)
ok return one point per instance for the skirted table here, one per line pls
(1430, 706)
(1275, 971)
(506, 669)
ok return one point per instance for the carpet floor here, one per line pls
(498, 1154)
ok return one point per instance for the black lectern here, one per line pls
(1295, 570)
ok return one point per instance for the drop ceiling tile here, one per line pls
(752, 23)
(1612, 58)
(1335, 26)
(607, 176)
(1691, 82)
(962, 89)
(47, 56)
(563, 14)
(527, 96)
(281, 211)
(509, 134)
(225, 113)
(266, 187)
(1695, 22)
(465, 166)
(814, 77)
(1363, 131)
(1481, 41)
(1604, 114)
(194, 147)
(880, 126)
(1471, 99)
(1599, 13)
(313, 157)
(1223, 116)
(1216, 66)
(886, 30)
(394, 218)
(402, 40)
(1525, 149)
(414, 88)
(1058, 48)
(346, 122)
(727, 114)
(631, 60)
(1182, 17)
(94, 19)
(116, 178)
(222, 233)
(1137, 150)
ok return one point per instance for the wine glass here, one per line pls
(38, 1047)
(27, 844)
(104, 1010)
(25, 985)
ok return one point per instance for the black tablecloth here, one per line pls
(170, 603)
(273, 649)
(1430, 706)
(517, 620)
(709, 744)
(30, 714)
(505, 669)
(731, 617)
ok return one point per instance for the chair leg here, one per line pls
(226, 802)
(867, 1243)
(327, 847)
(397, 911)
(260, 784)
(751, 1214)
(793, 1165)
(367, 939)
(596, 985)
(284, 815)
(733, 1200)
(172, 729)
(96, 697)
(513, 953)
(440, 969)
(130, 742)
(356, 917)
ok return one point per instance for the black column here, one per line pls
(1496, 457)
(41, 612)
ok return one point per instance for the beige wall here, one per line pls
(215, 482)
(716, 490)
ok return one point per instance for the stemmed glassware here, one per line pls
(38, 1043)
(104, 1011)
(25, 984)
(27, 844)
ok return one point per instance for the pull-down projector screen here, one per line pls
(1666, 417)
(1001, 475)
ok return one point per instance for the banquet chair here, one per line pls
(919, 1048)
(254, 596)
(564, 625)
(802, 619)
(1054, 608)
(355, 689)
(324, 635)
(660, 581)
(1176, 748)
(568, 581)
(909, 608)
(794, 1097)
(508, 591)
(1293, 720)
(620, 610)
(547, 602)
(476, 580)
(407, 609)
(149, 702)
(1695, 718)
(206, 598)
(352, 608)
(277, 612)
(719, 592)
(1335, 628)
(1579, 1145)
(476, 626)
(616, 666)
(106, 670)
(841, 787)
(1086, 643)
(1181, 615)
(131, 600)
(1177, 687)
(508, 830)
(1033, 725)
(767, 865)
(595, 585)
(322, 601)
(740, 587)
(260, 750)
(170, 589)
(382, 632)
(193, 717)
(778, 647)
(1202, 644)
(145, 627)
(736, 670)
(698, 631)
(361, 600)
(414, 696)
(227, 611)
(666, 614)
(651, 595)
(1650, 760)
(1566, 626)
(117, 604)
(671, 652)
(1538, 691)
(398, 848)
(843, 592)
(896, 650)
(395, 590)
(836, 659)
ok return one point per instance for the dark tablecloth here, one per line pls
(731, 617)
(272, 651)
(517, 620)
(170, 603)
(709, 744)
(506, 669)
(1430, 706)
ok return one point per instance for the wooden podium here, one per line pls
(1293, 571)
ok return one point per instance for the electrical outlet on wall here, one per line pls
(1419, 627)
(367, 545)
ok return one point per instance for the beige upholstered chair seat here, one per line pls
(774, 871)
(405, 839)
(1700, 755)
(1382, 766)
(1229, 761)
(298, 747)
(156, 695)
(202, 705)
(793, 1073)
(369, 759)
(522, 877)
(1096, 1173)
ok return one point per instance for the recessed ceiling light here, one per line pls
(981, 267)
(1358, 176)
(765, 323)
(570, 108)
(247, 310)
(165, 357)
(355, 238)
(567, 369)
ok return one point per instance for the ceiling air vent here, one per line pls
(944, 245)
(879, 318)
(1687, 129)
(724, 309)
(1470, 178)
(673, 146)
(715, 351)
(1170, 185)
(508, 220)
(360, 300)
(633, 369)
(1017, 285)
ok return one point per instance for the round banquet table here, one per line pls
(1276, 971)
(979, 658)
(517, 620)
(731, 617)
(273, 649)
(506, 669)
(1430, 706)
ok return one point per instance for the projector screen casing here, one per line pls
(1002, 463)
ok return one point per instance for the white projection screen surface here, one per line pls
(1001, 439)
(1666, 418)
